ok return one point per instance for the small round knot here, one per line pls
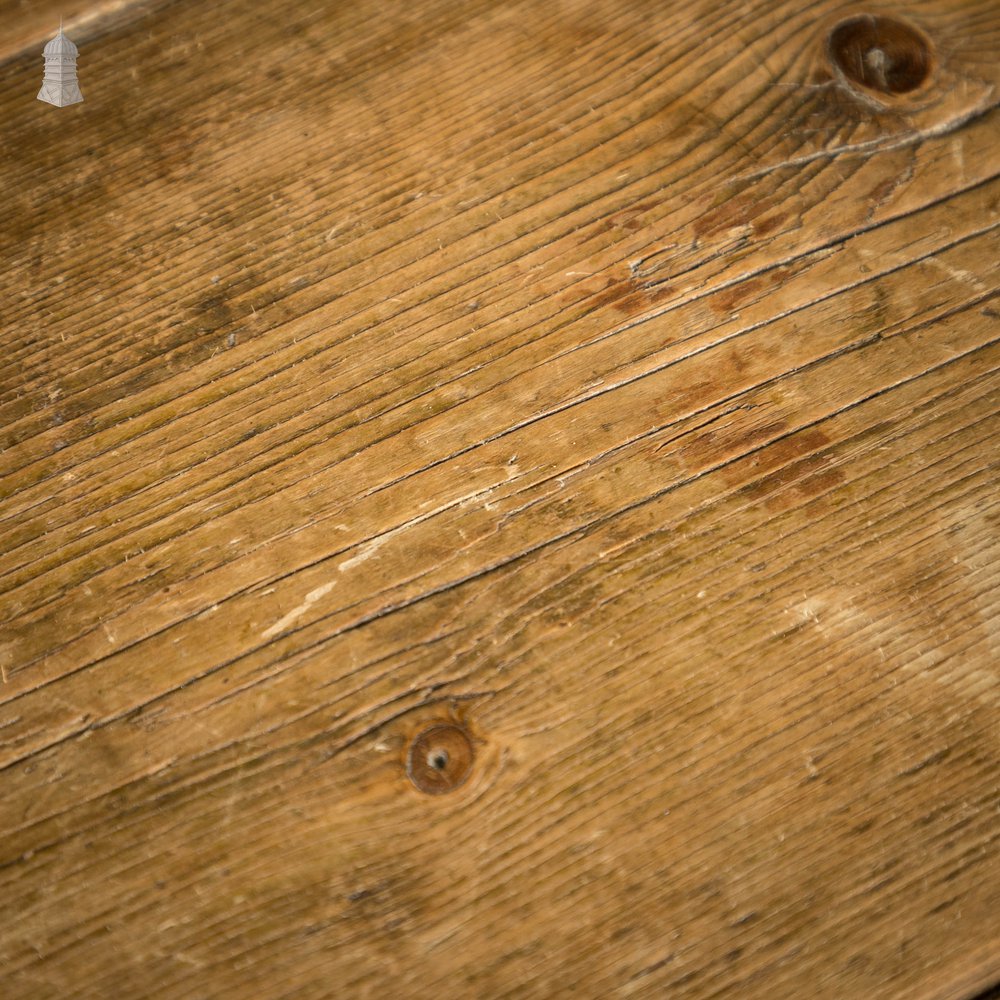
(440, 758)
(878, 53)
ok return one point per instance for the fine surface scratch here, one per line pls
(311, 598)
(879, 145)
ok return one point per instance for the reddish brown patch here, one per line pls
(727, 442)
(740, 210)
(728, 215)
(755, 436)
(732, 298)
(820, 482)
(808, 477)
(659, 293)
(793, 447)
(628, 218)
(612, 293)
(629, 298)
(767, 224)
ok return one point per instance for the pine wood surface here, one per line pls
(606, 393)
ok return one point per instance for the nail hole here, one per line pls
(880, 53)
(440, 758)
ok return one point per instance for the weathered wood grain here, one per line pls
(612, 381)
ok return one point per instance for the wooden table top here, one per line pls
(500, 499)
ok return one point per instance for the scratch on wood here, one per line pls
(879, 145)
(311, 598)
(365, 552)
(959, 274)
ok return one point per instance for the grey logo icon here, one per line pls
(60, 87)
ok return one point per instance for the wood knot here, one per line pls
(880, 54)
(440, 758)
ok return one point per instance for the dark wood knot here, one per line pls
(440, 758)
(881, 54)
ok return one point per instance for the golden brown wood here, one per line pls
(604, 394)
